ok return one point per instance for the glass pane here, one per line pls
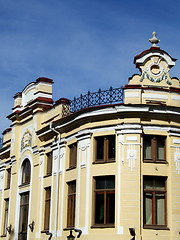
(148, 183)
(148, 208)
(71, 211)
(100, 148)
(160, 184)
(110, 207)
(160, 148)
(72, 187)
(110, 183)
(147, 147)
(160, 211)
(100, 183)
(99, 210)
(111, 147)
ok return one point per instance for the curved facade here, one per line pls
(104, 172)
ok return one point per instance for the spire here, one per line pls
(154, 40)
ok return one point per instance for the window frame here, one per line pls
(8, 178)
(71, 204)
(49, 163)
(154, 148)
(47, 208)
(23, 206)
(6, 215)
(72, 155)
(26, 175)
(153, 191)
(105, 192)
(105, 139)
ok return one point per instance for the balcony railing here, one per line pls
(113, 95)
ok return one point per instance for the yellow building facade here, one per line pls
(108, 169)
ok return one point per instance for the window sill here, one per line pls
(45, 231)
(7, 188)
(4, 235)
(156, 162)
(104, 162)
(68, 228)
(103, 226)
(156, 227)
(24, 185)
(48, 175)
(71, 168)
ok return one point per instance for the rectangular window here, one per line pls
(71, 204)
(47, 208)
(8, 182)
(6, 215)
(104, 200)
(155, 202)
(154, 148)
(23, 220)
(49, 163)
(105, 148)
(73, 155)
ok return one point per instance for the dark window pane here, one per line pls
(26, 172)
(110, 183)
(71, 204)
(110, 205)
(23, 221)
(73, 155)
(100, 148)
(49, 163)
(111, 147)
(100, 183)
(47, 208)
(99, 214)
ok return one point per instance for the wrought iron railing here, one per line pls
(113, 95)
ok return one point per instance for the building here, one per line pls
(103, 166)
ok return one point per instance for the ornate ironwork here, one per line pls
(113, 95)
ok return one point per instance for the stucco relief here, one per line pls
(83, 146)
(177, 159)
(132, 156)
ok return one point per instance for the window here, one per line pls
(23, 220)
(47, 208)
(71, 204)
(104, 200)
(155, 202)
(8, 178)
(154, 148)
(6, 215)
(105, 148)
(49, 164)
(73, 155)
(26, 171)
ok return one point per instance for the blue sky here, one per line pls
(81, 44)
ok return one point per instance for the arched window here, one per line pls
(26, 172)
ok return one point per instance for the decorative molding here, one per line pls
(155, 96)
(177, 159)
(175, 97)
(164, 76)
(132, 138)
(176, 141)
(132, 156)
(132, 94)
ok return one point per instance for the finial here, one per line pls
(154, 40)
